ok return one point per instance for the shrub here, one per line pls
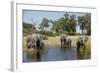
(71, 33)
(46, 33)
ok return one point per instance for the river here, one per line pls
(53, 53)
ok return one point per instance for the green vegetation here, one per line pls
(85, 51)
(64, 25)
(28, 29)
(44, 24)
(85, 23)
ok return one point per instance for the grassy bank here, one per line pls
(56, 41)
(85, 52)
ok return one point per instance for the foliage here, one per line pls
(28, 29)
(46, 33)
(28, 25)
(85, 23)
(44, 23)
(65, 24)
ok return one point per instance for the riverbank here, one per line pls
(56, 41)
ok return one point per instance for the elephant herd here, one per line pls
(67, 41)
(37, 41)
(79, 43)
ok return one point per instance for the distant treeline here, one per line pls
(64, 25)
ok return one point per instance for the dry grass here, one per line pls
(56, 41)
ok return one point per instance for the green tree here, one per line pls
(81, 21)
(72, 23)
(55, 26)
(69, 22)
(85, 23)
(28, 26)
(88, 23)
(44, 24)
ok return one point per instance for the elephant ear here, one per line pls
(28, 38)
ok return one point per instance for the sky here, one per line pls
(30, 16)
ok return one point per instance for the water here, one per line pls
(53, 53)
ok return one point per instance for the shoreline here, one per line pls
(56, 41)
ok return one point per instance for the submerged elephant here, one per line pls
(35, 41)
(65, 41)
(68, 42)
(81, 43)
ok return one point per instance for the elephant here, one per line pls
(65, 41)
(81, 43)
(36, 41)
(68, 42)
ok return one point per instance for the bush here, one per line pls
(46, 33)
(72, 33)
(28, 31)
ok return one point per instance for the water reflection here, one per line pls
(52, 53)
